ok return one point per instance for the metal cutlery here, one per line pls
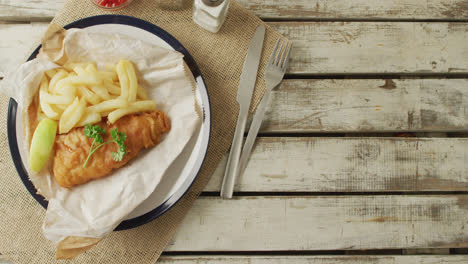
(274, 74)
(244, 96)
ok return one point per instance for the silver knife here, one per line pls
(244, 96)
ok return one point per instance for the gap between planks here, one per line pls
(391, 259)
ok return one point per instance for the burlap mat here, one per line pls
(220, 57)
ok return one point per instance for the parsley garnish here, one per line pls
(119, 139)
(96, 132)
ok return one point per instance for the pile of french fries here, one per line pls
(80, 94)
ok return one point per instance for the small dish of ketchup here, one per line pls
(112, 4)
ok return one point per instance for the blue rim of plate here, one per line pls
(175, 44)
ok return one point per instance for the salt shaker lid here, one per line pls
(213, 2)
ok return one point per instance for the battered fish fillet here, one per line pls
(71, 149)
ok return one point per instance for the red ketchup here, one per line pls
(112, 4)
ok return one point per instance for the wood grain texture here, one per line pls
(329, 47)
(358, 9)
(368, 105)
(353, 165)
(313, 259)
(17, 43)
(293, 9)
(375, 47)
(324, 223)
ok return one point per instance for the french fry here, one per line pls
(108, 105)
(88, 79)
(50, 73)
(54, 99)
(141, 93)
(57, 77)
(72, 115)
(105, 113)
(80, 93)
(104, 75)
(89, 119)
(44, 86)
(91, 68)
(110, 67)
(132, 81)
(58, 108)
(110, 75)
(79, 69)
(101, 91)
(88, 95)
(135, 107)
(62, 83)
(68, 91)
(46, 108)
(112, 87)
(123, 79)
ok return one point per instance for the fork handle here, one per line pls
(253, 131)
(232, 167)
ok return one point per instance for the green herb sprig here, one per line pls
(96, 133)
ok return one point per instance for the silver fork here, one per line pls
(274, 74)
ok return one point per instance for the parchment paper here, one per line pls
(94, 209)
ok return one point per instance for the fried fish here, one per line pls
(71, 150)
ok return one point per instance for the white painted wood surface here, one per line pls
(17, 42)
(329, 47)
(314, 260)
(368, 105)
(273, 9)
(353, 165)
(376, 47)
(324, 223)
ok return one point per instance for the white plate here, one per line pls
(183, 171)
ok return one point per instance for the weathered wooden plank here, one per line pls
(358, 9)
(353, 165)
(324, 223)
(314, 259)
(356, 47)
(368, 105)
(296, 9)
(330, 47)
(17, 42)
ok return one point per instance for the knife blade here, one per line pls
(244, 96)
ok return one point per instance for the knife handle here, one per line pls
(253, 131)
(232, 167)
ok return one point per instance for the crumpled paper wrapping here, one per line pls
(81, 216)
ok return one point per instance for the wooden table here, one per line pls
(329, 181)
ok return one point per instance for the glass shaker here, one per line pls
(210, 14)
